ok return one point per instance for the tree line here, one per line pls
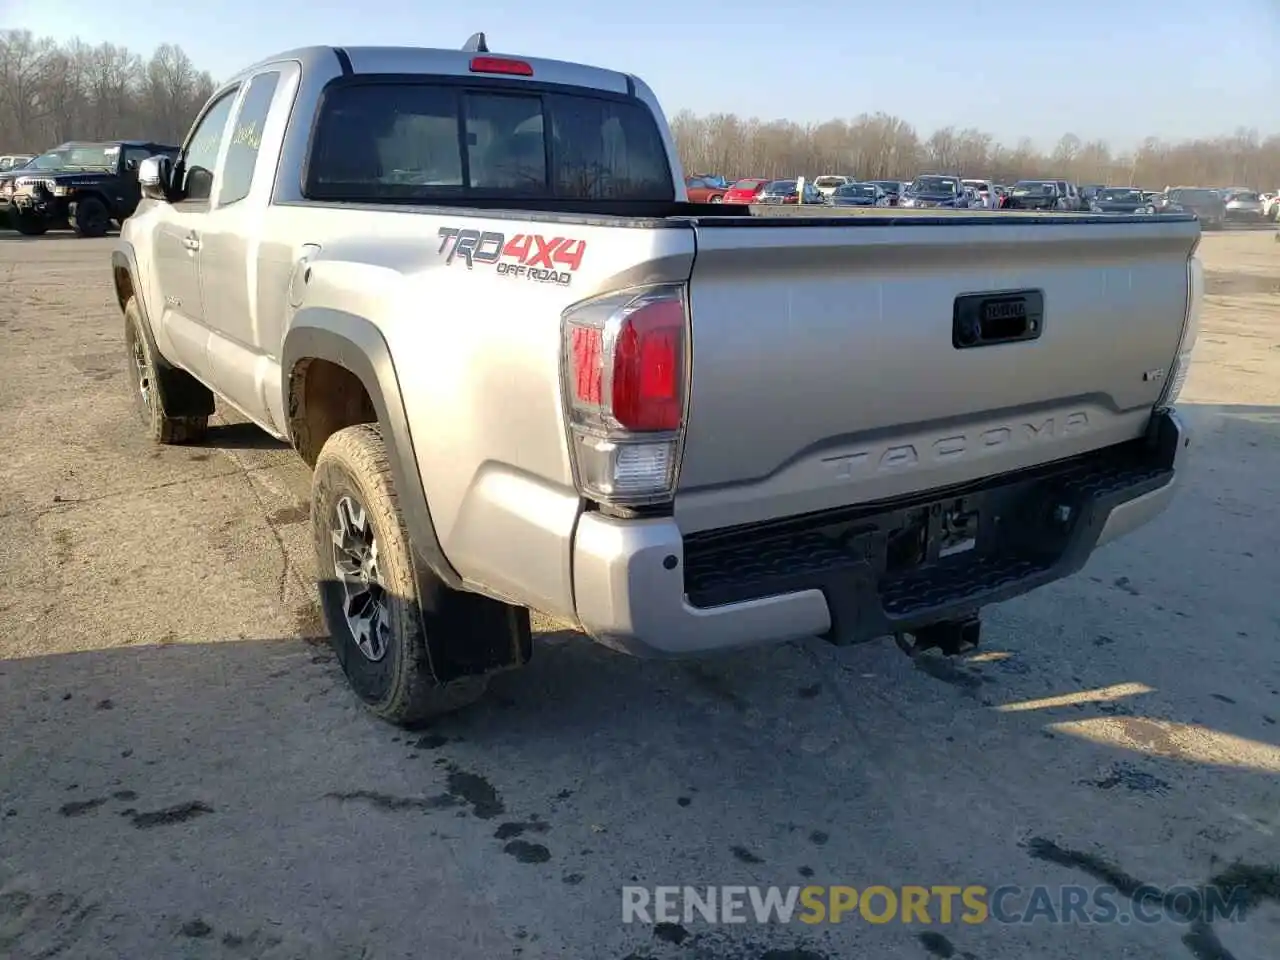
(52, 92)
(880, 146)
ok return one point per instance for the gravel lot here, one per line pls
(184, 774)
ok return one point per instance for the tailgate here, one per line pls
(825, 370)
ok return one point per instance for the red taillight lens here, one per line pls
(624, 382)
(515, 68)
(588, 372)
(648, 365)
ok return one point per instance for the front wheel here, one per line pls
(368, 584)
(717, 198)
(29, 225)
(149, 378)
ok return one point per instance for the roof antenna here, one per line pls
(475, 44)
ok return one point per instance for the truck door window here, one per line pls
(200, 155)
(423, 142)
(246, 138)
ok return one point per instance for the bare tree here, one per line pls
(51, 93)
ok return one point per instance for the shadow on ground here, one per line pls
(240, 436)
(230, 799)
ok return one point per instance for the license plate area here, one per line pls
(935, 532)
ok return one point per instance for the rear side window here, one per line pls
(423, 142)
(246, 138)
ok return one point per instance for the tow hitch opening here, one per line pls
(951, 637)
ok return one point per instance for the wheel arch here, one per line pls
(124, 271)
(466, 632)
(353, 344)
(184, 396)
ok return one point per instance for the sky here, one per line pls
(1117, 71)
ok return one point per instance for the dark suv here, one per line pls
(81, 184)
(1208, 205)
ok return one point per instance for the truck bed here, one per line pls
(653, 213)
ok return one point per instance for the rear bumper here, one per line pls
(641, 587)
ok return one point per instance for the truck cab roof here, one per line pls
(440, 62)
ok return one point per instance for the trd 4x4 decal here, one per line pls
(528, 256)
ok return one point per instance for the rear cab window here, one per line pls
(423, 140)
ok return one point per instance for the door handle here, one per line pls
(191, 242)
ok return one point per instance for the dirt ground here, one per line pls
(184, 774)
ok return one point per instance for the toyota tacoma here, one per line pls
(528, 373)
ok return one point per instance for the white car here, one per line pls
(984, 190)
(830, 184)
(1244, 205)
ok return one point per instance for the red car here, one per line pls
(703, 188)
(746, 191)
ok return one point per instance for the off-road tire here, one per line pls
(92, 218)
(29, 226)
(141, 361)
(400, 687)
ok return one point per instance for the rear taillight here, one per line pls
(624, 374)
(1177, 376)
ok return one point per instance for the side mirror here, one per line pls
(154, 175)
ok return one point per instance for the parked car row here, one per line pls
(87, 186)
(1214, 207)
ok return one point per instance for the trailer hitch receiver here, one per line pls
(951, 637)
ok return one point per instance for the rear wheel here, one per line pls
(92, 218)
(717, 198)
(368, 584)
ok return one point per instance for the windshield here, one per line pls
(977, 184)
(1026, 187)
(1246, 196)
(829, 181)
(1121, 195)
(856, 190)
(98, 156)
(935, 185)
(1193, 196)
(781, 186)
(889, 186)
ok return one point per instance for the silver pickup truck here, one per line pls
(529, 374)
